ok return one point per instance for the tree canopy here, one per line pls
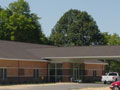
(76, 28)
(111, 39)
(19, 24)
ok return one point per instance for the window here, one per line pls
(94, 73)
(112, 74)
(52, 66)
(58, 66)
(59, 71)
(36, 73)
(85, 72)
(4, 73)
(81, 66)
(21, 72)
(75, 65)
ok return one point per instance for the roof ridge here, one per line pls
(25, 43)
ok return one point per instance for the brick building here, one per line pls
(25, 62)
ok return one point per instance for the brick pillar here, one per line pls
(66, 72)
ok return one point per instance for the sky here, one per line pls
(106, 13)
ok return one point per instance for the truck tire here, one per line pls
(105, 82)
(116, 88)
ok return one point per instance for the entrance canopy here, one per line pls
(84, 58)
(82, 53)
(80, 59)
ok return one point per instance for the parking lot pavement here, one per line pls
(58, 86)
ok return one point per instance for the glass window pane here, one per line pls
(75, 65)
(52, 66)
(58, 65)
(36, 73)
(52, 71)
(59, 71)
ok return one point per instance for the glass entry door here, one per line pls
(78, 71)
(75, 72)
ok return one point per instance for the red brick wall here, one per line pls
(66, 72)
(28, 66)
(100, 69)
(42, 66)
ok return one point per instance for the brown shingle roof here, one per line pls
(18, 50)
(77, 51)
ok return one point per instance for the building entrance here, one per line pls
(75, 74)
(64, 72)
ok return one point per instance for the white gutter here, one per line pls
(77, 57)
(96, 63)
(84, 57)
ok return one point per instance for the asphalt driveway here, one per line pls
(58, 86)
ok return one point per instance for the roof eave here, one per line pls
(14, 59)
(84, 57)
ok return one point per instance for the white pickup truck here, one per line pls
(110, 77)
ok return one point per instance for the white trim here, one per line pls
(23, 59)
(74, 57)
(84, 57)
(97, 63)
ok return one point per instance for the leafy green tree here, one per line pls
(76, 28)
(19, 24)
(1, 8)
(4, 22)
(21, 7)
(112, 39)
(114, 67)
(106, 38)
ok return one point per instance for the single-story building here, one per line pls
(26, 62)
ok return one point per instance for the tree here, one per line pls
(111, 39)
(76, 28)
(106, 38)
(114, 39)
(21, 7)
(1, 8)
(21, 25)
(4, 22)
